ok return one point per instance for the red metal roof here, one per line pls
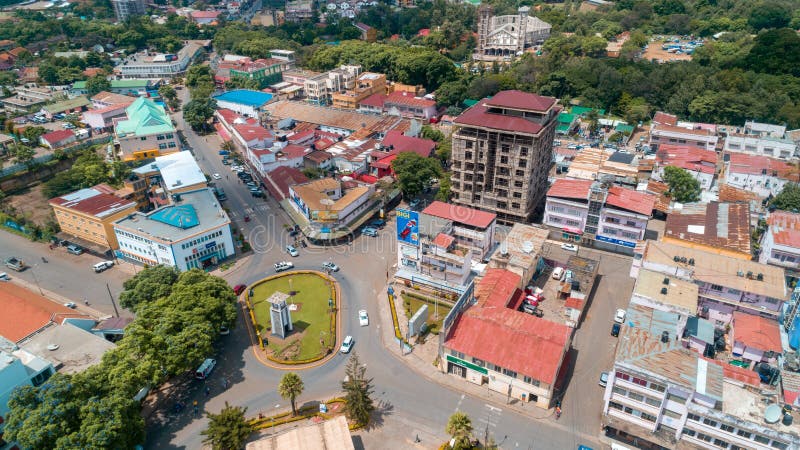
(279, 180)
(785, 228)
(408, 99)
(757, 165)
(57, 136)
(293, 151)
(97, 205)
(666, 119)
(443, 240)
(639, 202)
(569, 188)
(403, 143)
(521, 100)
(574, 303)
(479, 116)
(460, 214)
(250, 132)
(676, 129)
(496, 334)
(424, 32)
(689, 158)
(375, 100)
(25, 312)
(205, 14)
(385, 162)
(757, 332)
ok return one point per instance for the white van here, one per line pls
(558, 273)
(205, 369)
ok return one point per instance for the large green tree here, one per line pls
(358, 391)
(290, 387)
(148, 286)
(683, 187)
(97, 83)
(414, 172)
(459, 427)
(788, 199)
(227, 430)
(197, 113)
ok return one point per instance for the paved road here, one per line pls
(408, 403)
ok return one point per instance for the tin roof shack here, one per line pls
(579, 278)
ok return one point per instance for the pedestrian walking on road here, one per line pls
(208, 391)
(194, 406)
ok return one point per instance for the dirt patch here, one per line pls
(656, 53)
(32, 204)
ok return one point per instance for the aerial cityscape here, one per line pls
(400, 224)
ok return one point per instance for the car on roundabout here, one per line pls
(363, 318)
(330, 266)
(283, 265)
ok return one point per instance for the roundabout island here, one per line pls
(293, 315)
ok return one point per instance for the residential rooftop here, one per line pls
(177, 170)
(631, 200)
(25, 312)
(686, 157)
(755, 331)
(523, 245)
(679, 293)
(460, 214)
(570, 189)
(97, 201)
(145, 118)
(178, 221)
(69, 348)
(713, 268)
(329, 117)
(749, 405)
(747, 164)
(314, 194)
(718, 225)
(785, 228)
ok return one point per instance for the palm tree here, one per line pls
(290, 387)
(227, 430)
(459, 426)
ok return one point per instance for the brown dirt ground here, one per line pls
(32, 204)
(655, 52)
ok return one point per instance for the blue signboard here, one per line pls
(408, 226)
(211, 244)
(616, 241)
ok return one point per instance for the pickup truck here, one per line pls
(15, 263)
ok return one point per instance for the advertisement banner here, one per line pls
(408, 226)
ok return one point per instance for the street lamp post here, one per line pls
(273, 418)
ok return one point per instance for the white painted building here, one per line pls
(780, 245)
(675, 135)
(193, 232)
(760, 174)
(780, 148)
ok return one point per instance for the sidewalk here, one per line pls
(421, 360)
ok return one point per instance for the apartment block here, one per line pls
(89, 214)
(366, 84)
(767, 145)
(502, 151)
(690, 137)
(763, 175)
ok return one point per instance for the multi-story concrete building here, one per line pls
(192, 232)
(299, 10)
(123, 9)
(399, 103)
(367, 83)
(763, 175)
(780, 244)
(502, 150)
(155, 182)
(146, 132)
(90, 213)
(586, 211)
(244, 101)
(725, 284)
(690, 137)
(503, 37)
(511, 352)
(320, 88)
(773, 147)
(322, 207)
(662, 395)
(148, 65)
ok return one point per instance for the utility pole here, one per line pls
(113, 303)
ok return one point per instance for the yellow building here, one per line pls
(146, 132)
(368, 83)
(90, 213)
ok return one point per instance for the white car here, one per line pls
(292, 251)
(569, 247)
(347, 344)
(283, 265)
(363, 318)
(102, 265)
(619, 317)
(330, 266)
(70, 305)
(216, 176)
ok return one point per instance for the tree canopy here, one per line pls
(459, 427)
(414, 172)
(788, 199)
(358, 391)
(96, 84)
(683, 187)
(227, 430)
(174, 329)
(289, 388)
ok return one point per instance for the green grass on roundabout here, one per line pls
(312, 334)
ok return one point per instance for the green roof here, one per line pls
(144, 118)
(624, 129)
(66, 105)
(563, 129)
(470, 102)
(566, 118)
(473, 2)
(581, 110)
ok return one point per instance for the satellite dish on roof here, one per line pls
(773, 413)
(52, 347)
(527, 246)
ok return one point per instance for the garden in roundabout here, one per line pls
(310, 299)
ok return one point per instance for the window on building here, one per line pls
(143, 138)
(720, 443)
(509, 373)
(692, 416)
(648, 417)
(636, 396)
(716, 287)
(478, 362)
(704, 437)
(689, 432)
(709, 422)
(761, 439)
(779, 445)
(726, 427)
(744, 434)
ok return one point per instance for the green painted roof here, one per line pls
(625, 129)
(581, 110)
(566, 118)
(473, 2)
(470, 102)
(144, 118)
(562, 128)
(65, 105)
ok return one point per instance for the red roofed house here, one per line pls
(473, 229)
(760, 174)
(205, 17)
(675, 135)
(624, 213)
(702, 164)
(407, 105)
(90, 213)
(57, 139)
(663, 118)
(279, 180)
(394, 143)
(372, 104)
(502, 148)
(507, 350)
(780, 245)
(368, 33)
(755, 338)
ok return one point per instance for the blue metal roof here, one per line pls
(183, 216)
(701, 329)
(245, 97)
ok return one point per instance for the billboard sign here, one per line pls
(616, 241)
(408, 226)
